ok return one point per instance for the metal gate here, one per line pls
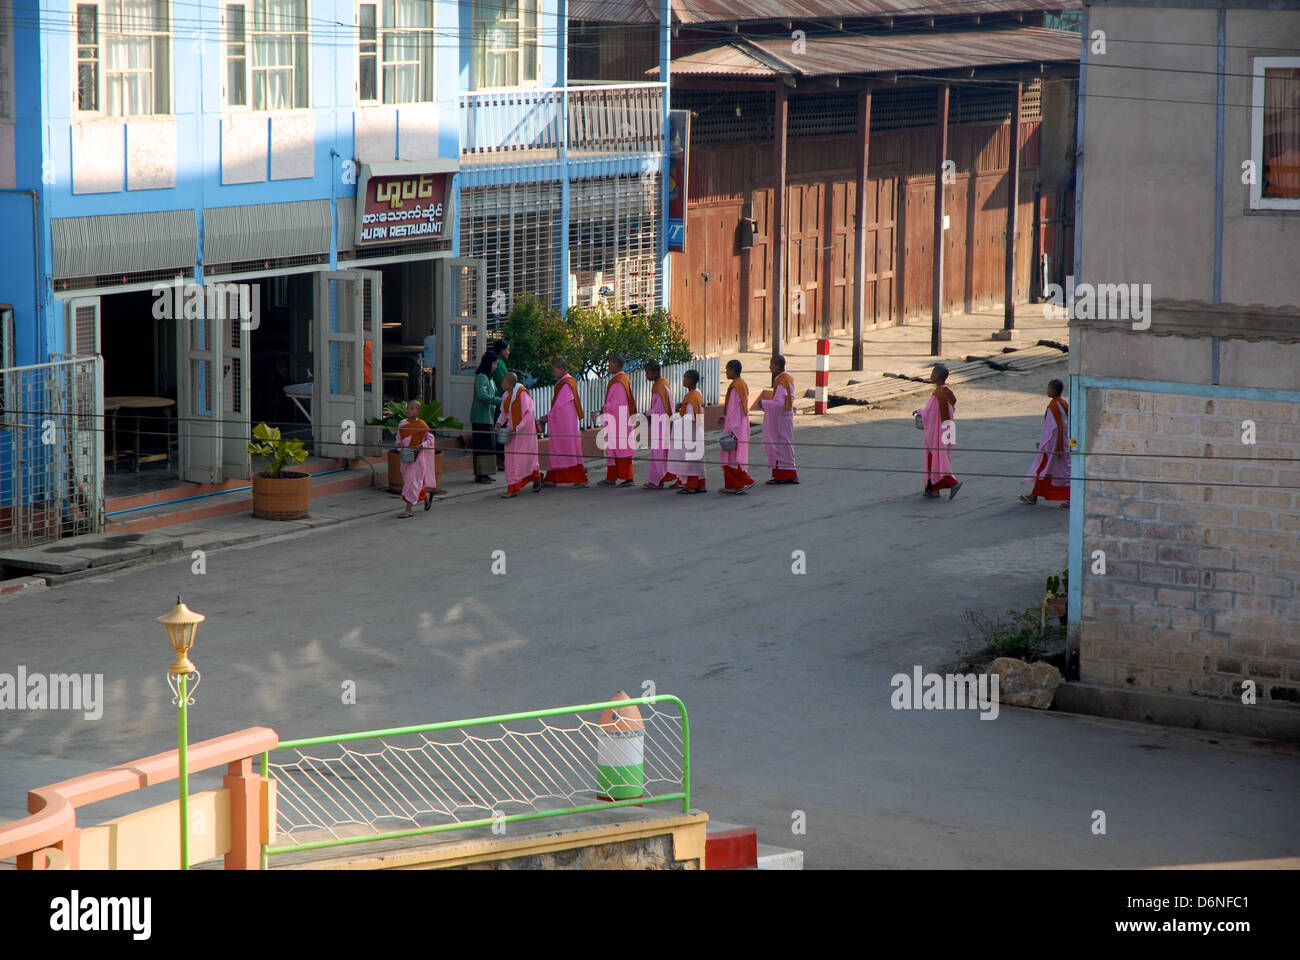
(51, 451)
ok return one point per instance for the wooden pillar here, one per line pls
(1013, 205)
(860, 228)
(779, 297)
(941, 154)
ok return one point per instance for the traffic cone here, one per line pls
(620, 753)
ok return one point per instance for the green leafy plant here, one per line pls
(586, 336)
(430, 413)
(278, 452)
(1058, 586)
(1020, 635)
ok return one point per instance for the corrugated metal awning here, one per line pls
(885, 53)
(740, 11)
(124, 243)
(266, 231)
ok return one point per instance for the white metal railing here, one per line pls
(51, 451)
(592, 392)
(585, 120)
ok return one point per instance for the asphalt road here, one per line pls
(786, 676)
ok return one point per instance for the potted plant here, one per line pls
(279, 494)
(1055, 600)
(394, 414)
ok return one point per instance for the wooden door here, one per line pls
(881, 247)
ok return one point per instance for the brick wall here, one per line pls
(1202, 545)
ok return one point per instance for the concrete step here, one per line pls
(729, 846)
(778, 858)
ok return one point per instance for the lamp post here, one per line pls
(181, 624)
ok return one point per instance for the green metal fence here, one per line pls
(461, 774)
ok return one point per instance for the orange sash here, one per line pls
(572, 384)
(692, 400)
(743, 388)
(788, 381)
(1059, 409)
(621, 377)
(660, 389)
(517, 406)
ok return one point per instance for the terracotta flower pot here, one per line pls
(1057, 606)
(285, 497)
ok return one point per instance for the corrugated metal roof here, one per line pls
(887, 53)
(738, 11)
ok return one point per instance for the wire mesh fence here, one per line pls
(51, 452)
(408, 781)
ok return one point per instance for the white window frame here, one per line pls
(526, 36)
(1257, 199)
(101, 60)
(302, 72)
(8, 349)
(430, 63)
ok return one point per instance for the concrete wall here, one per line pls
(1149, 155)
(1201, 537)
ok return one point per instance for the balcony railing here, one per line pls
(582, 121)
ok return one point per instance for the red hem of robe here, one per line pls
(1044, 488)
(619, 468)
(735, 477)
(780, 473)
(577, 473)
(694, 483)
(516, 487)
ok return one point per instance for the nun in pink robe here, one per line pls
(735, 420)
(1050, 473)
(517, 412)
(938, 454)
(778, 425)
(419, 475)
(620, 407)
(661, 425)
(564, 452)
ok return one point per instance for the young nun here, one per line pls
(661, 412)
(735, 420)
(939, 438)
(564, 424)
(418, 478)
(620, 407)
(687, 458)
(517, 412)
(1050, 473)
(778, 423)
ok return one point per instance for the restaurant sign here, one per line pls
(404, 206)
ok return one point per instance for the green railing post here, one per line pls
(183, 777)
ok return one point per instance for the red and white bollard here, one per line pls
(823, 375)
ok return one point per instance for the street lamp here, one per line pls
(182, 623)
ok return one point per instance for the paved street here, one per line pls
(786, 677)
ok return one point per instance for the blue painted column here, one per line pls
(562, 51)
(665, 70)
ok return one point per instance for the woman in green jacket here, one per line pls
(481, 417)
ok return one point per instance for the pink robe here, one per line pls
(419, 475)
(737, 422)
(687, 459)
(618, 423)
(660, 439)
(517, 411)
(565, 447)
(1050, 473)
(778, 429)
(938, 455)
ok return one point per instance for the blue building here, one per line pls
(234, 212)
